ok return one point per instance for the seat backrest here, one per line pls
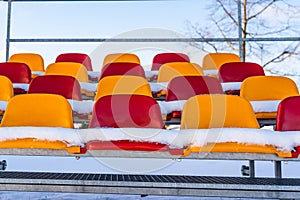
(122, 68)
(217, 111)
(77, 58)
(6, 89)
(123, 85)
(259, 88)
(169, 71)
(67, 86)
(213, 61)
(16, 72)
(126, 111)
(121, 57)
(239, 71)
(163, 58)
(44, 110)
(288, 114)
(34, 61)
(184, 87)
(73, 69)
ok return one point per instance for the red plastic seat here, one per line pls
(239, 71)
(17, 73)
(122, 68)
(163, 58)
(127, 111)
(66, 86)
(76, 57)
(184, 87)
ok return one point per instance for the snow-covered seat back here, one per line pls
(217, 111)
(6, 89)
(76, 70)
(169, 71)
(126, 111)
(67, 86)
(34, 61)
(239, 71)
(76, 57)
(122, 68)
(288, 114)
(123, 85)
(121, 57)
(213, 61)
(42, 110)
(162, 58)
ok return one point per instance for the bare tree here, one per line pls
(260, 18)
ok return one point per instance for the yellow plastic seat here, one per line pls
(223, 111)
(76, 70)
(38, 110)
(6, 89)
(123, 85)
(263, 88)
(34, 61)
(213, 61)
(169, 71)
(121, 57)
(217, 111)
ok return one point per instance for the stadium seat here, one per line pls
(184, 87)
(239, 71)
(163, 58)
(67, 86)
(73, 69)
(122, 68)
(127, 111)
(34, 61)
(34, 110)
(17, 73)
(121, 57)
(223, 111)
(123, 85)
(264, 88)
(217, 111)
(169, 71)
(213, 61)
(77, 58)
(6, 89)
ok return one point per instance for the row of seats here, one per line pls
(139, 111)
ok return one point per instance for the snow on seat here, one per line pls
(127, 111)
(122, 68)
(163, 58)
(18, 73)
(33, 60)
(121, 57)
(238, 72)
(268, 88)
(38, 110)
(223, 111)
(184, 87)
(77, 58)
(122, 85)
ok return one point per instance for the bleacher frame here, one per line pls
(191, 186)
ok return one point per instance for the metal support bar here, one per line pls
(8, 29)
(278, 171)
(240, 29)
(252, 169)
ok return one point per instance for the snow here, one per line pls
(170, 106)
(150, 74)
(231, 86)
(82, 107)
(211, 72)
(157, 87)
(94, 75)
(39, 73)
(3, 105)
(284, 141)
(265, 106)
(89, 87)
(23, 86)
